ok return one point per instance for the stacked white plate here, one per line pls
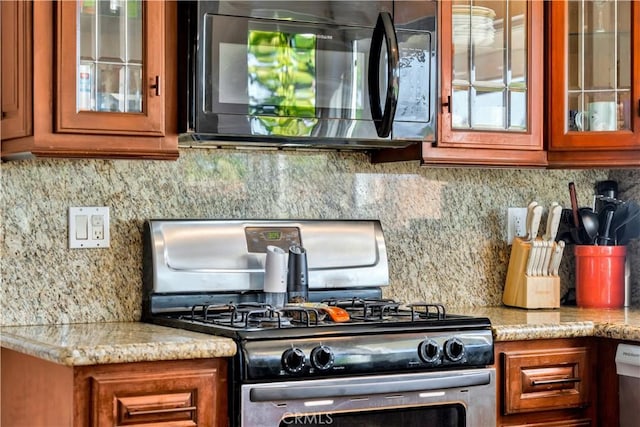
(473, 23)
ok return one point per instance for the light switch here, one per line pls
(89, 227)
(82, 230)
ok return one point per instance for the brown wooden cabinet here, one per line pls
(593, 91)
(547, 382)
(16, 70)
(110, 92)
(491, 81)
(36, 393)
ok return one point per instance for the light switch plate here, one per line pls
(89, 227)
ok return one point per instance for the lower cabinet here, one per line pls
(183, 393)
(547, 382)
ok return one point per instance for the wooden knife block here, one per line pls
(528, 291)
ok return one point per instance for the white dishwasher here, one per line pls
(628, 369)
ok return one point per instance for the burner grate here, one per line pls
(253, 315)
(242, 315)
(366, 309)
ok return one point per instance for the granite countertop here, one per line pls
(100, 343)
(512, 324)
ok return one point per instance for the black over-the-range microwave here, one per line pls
(323, 74)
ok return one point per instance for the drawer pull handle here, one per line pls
(161, 411)
(555, 381)
(156, 85)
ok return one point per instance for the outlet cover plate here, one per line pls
(89, 227)
(516, 223)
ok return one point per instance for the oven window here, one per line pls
(452, 415)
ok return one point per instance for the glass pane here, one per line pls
(87, 43)
(489, 63)
(134, 93)
(575, 41)
(111, 31)
(517, 110)
(460, 107)
(108, 84)
(134, 31)
(599, 66)
(488, 108)
(593, 111)
(110, 55)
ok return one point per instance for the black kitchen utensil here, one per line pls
(297, 278)
(625, 224)
(606, 197)
(605, 237)
(589, 226)
(566, 230)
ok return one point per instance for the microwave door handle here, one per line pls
(384, 29)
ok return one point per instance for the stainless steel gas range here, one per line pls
(344, 357)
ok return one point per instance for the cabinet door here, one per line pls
(16, 69)
(594, 75)
(89, 57)
(110, 67)
(490, 82)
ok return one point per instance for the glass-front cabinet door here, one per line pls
(594, 75)
(111, 67)
(491, 74)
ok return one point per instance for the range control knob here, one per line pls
(429, 351)
(322, 357)
(454, 349)
(293, 360)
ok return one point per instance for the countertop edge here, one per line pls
(543, 331)
(163, 344)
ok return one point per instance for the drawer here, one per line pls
(172, 399)
(545, 379)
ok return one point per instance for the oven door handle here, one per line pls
(375, 385)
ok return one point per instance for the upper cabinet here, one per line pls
(103, 81)
(491, 67)
(594, 83)
(15, 91)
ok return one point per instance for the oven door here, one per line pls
(451, 398)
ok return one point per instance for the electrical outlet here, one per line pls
(89, 227)
(516, 223)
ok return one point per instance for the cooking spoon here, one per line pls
(589, 225)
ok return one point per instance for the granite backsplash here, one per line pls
(444, 227)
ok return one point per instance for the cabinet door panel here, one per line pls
(491, 72)
(16, 69)
(594, 83)
(110, 79)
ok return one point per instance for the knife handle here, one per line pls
(535, 221)
(533, 250)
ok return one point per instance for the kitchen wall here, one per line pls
(444, 227)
